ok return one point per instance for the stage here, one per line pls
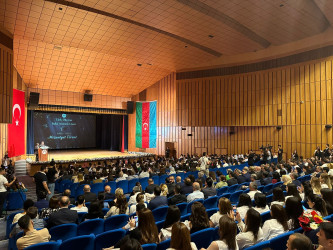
(83, 157)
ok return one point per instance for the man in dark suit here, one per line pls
(231, 181)
(67, 193)
(88, 196)
(171, 185)
(179, 181)
(64, 215)
(209, 190)
(151, 186)
(158, 201)
(294, 177)
(177, 198)
(187, 188)
(108, 194)
(246, 174)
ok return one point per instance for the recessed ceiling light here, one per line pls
(281, 5)
(149, 64)
(57, 47)
(186, 46)
(210, 36)
(139, 64)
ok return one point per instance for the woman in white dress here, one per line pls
(228, 231)
(277, 225)
(172, 217)
(224, 208)
(244, 204)
(278, 197)
(181, 238)
(261, 203)
(294, 210)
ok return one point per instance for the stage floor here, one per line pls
(71, 155)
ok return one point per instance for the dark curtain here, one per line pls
(109, 132)
(126, 132)
(30, 133)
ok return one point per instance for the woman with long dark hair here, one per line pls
(121, 207)
(317, 204)
(251, 232)
(147, 227)
(278, 197)
(327, 195)
(198, 218)
(94, 211)
(227, 231)
(224, 208)
(261, 203)
(292, 191)
(277, 225)
(172, 217)
(244, 204)
(294, 210)
(181, 238)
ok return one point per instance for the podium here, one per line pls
(43, 154)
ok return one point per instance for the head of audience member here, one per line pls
(260, 200)
(253, 186)
(119, 192)
(172, 216)
(131, 244)
(107, 189)
(80, 200)
(292, 190)
(325, 235)
(188, 181)
(86, 188)
(327, 195)
(293, 176)
(222, 178)
(178, 179)
(299, 241)
(121, 174)
(253, 177)
(157, 191)
(278, 194)
(122, 204)
(318, 204)
(209, 182)
(212, 175)
(192, 178)
(228, 231)
(140, 198)
(196, 186)
(294, 210)
(54, 202)
(199, 217)
(224, 205)
(25, 223)
(315, 184)
(95, 211)
(150, 181)
(64, 202)
(252, 221)
(28, 203)
(32, 212)
(147, 226)
(177, 189)
(244, 200)
(139, 207)
(136, 189)
(325, 179)
(286, 179)
(171, 179)
(279, 213)
(180, 237)
(164, 189)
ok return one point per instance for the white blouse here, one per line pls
(262, 210)
(193, 246)
(166, 233)
(242, 211)
(271, 229)
(246, 239)
(215, 218)
(281, 203)
(114, 211)
(223, 246)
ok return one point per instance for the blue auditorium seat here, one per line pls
(164, 245)
(211, 211)
(210, 202)
(9, 222)
(265, 216)
(85, 242)
(15, 200)
(144, 182)
(123, 185)
(149, 246)
(115, 222)
(97, 187)
(109, 238)
(279, 242)
(131, 184)
(54, 245)
(234, 197)
(94, 226)
(182, 207)
(260, 246)
(160, 213)
(222, 190)
(203, 238)
(159, 225)
(63, 232)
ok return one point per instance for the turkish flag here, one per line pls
(16, 129)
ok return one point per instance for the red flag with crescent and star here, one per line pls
(16, 144)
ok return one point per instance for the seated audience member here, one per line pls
(151, 186)
(198, 218)
(222, 182)
(130, 244)
(317, 204)
(209, 190)
(172, 217)
(227, 231)
(278, 197)
(80, 207)
(197, 194)
(253, 190)
(181, 238)
(136, 190)
(325, 236)
(292, 191)
(108, 194)
(67, 193)
(144, 173)
(277, 225)
(294, 177)
(251, 232)
(171, 185)
(254, 179)
(132, 224)
(177, 198)
(164, 190)
(121, 177)
(225, 207)
(179, 181)
(266, 179)
(261, 203)
(325, 181)
(31, 236)
(118, 193)
(27, 203)
(286, 180)
(121, 207)
(244, 204)
(187, 188)
(94, 211)
(299, 241)
(315, 184)
(53, 207)
(294, 210)
(147, 226)
(232, 181)
(89, 196)
(98, 179)
(140, 199)
(63, 215)
(327, 195)
(158, 200)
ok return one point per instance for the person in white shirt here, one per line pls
(227, 231)
(121, 177)
(144, 173)
(3, 188)
(80, 205)
(204, 162)
(277, 225)
(181, 238)
(225, 207)
(278, 197)
(171, 218)
(253, 190)
(250, 232)
(197, 194)
(261, 203)
(244, 203)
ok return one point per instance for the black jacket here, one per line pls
(177, 198)
(63, 216)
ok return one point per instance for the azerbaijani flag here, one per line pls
(146, 134)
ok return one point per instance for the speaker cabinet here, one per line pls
(34, 99)
(88, 98)
(130, 107)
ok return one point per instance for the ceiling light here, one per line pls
(149, 64)
(186, 46)
(210, 36)
(60, 8)
(139, 64)
(57, 47)
(281, 5)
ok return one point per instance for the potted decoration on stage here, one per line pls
(310, 220)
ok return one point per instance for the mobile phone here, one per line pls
(136, 220)
(234, 208)
(20, 183)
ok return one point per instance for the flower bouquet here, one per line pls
(310, 220)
